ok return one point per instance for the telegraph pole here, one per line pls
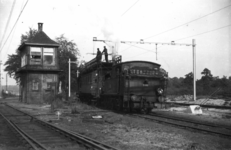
(69, 77)
(69, 74)
(194, 69)
(6, 81)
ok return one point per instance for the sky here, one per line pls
(163, 21)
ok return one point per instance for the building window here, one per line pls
(23, 61)
(48, 56)
(35, 55)
(35, 85)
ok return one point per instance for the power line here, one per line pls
(188, 22)
(129, 8)
(140, 47)
(137, 55)
(179, 40)
(125, 49)
(10, 41)
(8, 21)
(203, 33)
(14, 25)
(146, 52)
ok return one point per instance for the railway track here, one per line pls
(10, 137)
(42, 135)
(221, 130)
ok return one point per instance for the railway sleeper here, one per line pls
(58, 142)
(48, 138)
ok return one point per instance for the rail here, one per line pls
(82, 140)
(186, 123)
(31, 144)
(188, 104)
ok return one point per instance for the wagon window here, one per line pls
(145, 83)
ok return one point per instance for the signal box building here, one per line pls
(39, 68)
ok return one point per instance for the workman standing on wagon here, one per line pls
(98, 55)
(105, 53)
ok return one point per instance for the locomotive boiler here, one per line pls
(126, 86)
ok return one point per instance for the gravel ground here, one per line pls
(124, 132)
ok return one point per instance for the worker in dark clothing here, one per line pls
(105, 53)
(98, 55)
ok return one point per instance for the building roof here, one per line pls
(40, 39)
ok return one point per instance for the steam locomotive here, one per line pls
(123, 86)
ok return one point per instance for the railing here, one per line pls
(118, 59)
(91, 63)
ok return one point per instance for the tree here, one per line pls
(13, 62)
(206, 79)
(67, 49)
(12, 65)
(188, 80)
(29, 35)
(216, 82)
(206, 73)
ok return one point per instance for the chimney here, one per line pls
(40, 27)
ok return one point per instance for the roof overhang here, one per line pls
(36, 44)
(38, 71)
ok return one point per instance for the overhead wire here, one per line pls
(147, 51)
(140, 47)
(7, 24)
(122, 16)
(126, 49)
(188, 37)
(180, 26)
(129, 8)
(14, 25)
(203, 33)
(13, 32)
(182, 38)
(125, 13)
(137, 55)
(188, 22)
(11, 40)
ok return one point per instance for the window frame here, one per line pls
(49, 54)
(33, 60)
(35, 84)
(24, 60)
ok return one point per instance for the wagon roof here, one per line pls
(138, 61)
